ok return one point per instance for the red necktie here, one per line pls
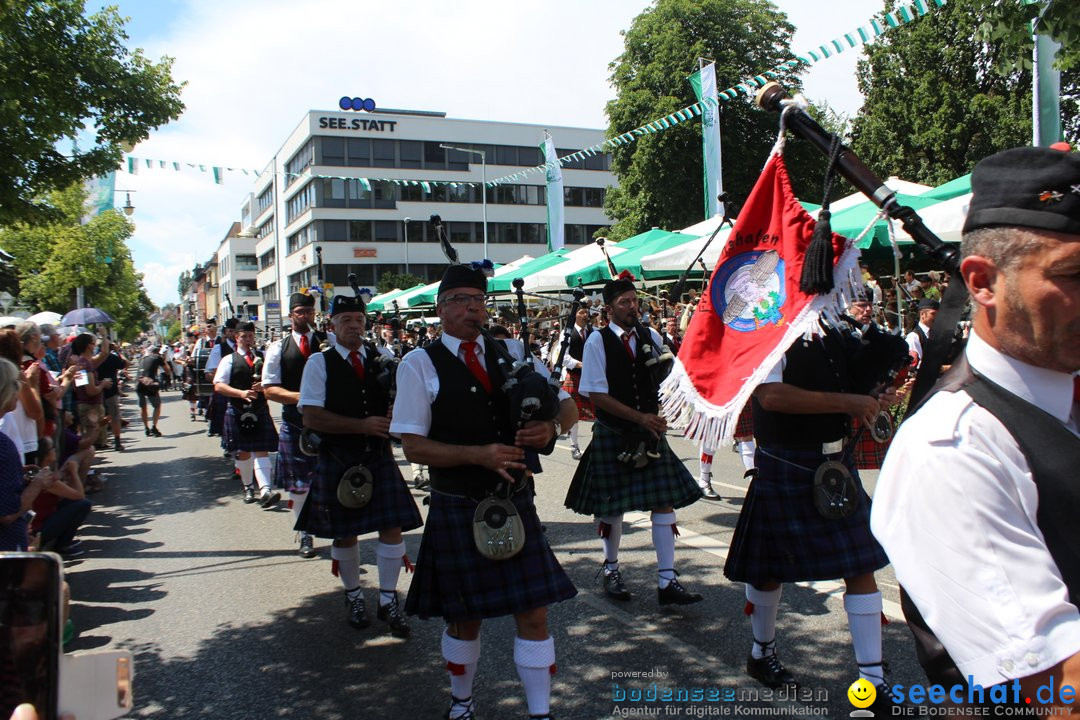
(626, 343)
(473, 363)
(357, 364)
(305, 347)
(249, 360)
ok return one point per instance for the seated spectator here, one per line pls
(63, 508)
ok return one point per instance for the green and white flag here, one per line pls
(704, 84)
(100, 190)
(555, 230)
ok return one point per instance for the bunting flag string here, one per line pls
(876, 27)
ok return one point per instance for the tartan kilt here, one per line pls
(454, 581)
(781, 537)
(293, 469)
(584, 404)
(263, 439)
(391, 503)
(218, 403)
(744, 426)
(604, 486)
(869, 453)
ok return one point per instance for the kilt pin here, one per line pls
(391, 503)
(781, 537)
(603, 486)
(454, 581)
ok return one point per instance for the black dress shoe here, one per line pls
(613, 586)
(269, 499)
(249, 494)
(885, 703)
(769, 671)
(708, 493)
(676, 594)
(357, 614)
(391, 615)
(307, 546)
(466, 708)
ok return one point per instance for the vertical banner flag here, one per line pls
(752, 312)
(100, 191)
(555, 229)
(704, 84)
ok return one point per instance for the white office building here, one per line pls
(337, 185)
(237, 271)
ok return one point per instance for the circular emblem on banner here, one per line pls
(748, 290)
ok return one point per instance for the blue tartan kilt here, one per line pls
(454, 581)
(781, 537)
(293, 470)
(604, 486)
(391, 505)
(218, 403)
(263, 438)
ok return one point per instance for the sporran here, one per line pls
(498, 532)
(355, 487)
(836, 495)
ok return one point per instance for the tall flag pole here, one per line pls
(556, 231)
(704, 84)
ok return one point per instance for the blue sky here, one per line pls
(254, 67)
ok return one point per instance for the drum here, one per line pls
(203, 386)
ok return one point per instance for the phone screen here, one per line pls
(29, 632)
(81, 379)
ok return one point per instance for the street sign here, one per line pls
(273, 314)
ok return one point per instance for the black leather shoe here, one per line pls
(885, 702)
(269, 499)
(708, 493)
(391, 615)
(613, 585)
(307, 546)
(466, 707)
(769, 671)
(357, 614)
(249, 494)
(676, 594)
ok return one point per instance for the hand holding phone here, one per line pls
(81, 379)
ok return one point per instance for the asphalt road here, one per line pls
(226, 621)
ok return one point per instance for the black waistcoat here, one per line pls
(465, 414)
(629, 381)
(1053, 454)
(819, 364)
(576, 348)
(350, 396)
(226, 348)
(292, 371)
(242, 377)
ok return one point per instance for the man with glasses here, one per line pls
(453, 417)
(625, 395)
(285, 361)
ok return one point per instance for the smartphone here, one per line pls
(30, 619)
(81, 379)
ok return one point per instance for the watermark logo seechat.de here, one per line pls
(922, 698)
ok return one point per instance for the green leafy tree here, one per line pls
(1006, 25)
(63, 76)
(939, 98)
(183, 283)
(388, 281)
(55, 258)
(660, 175)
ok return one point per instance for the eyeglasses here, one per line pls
(465, 300)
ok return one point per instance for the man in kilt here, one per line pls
(249, 439)
(802, 413)
(625, 394)
(579, 333)
(344, 402)
(285, 361)
(453, 417)
(223, 347)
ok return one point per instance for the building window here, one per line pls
(300, 238)
(305, 157)
(383, 153)
(359, 152)
(267, 260)
(333, 150)
(269, 293)
(301, 280)
(385, 195)
(386, 231)
(359, 231)
(265, 229)
(299, 202)
(265, 200)
(411, 153)
(246, 263)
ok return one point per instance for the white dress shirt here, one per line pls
(914, 342)
(271, 374)
(223, 373)
(955, 509)
(418, 383)
(313, 381)
(594, 360)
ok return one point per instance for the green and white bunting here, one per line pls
(704, 84)
(555, 229)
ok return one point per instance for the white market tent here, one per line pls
(553, 278)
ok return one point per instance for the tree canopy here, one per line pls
(939, 97)
(54, 258)
(66, 78)
(660, 175)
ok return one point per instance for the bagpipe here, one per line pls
(641, 445)
(385, 367)
(877, 362)
(248, 418)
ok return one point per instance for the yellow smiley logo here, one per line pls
(862, 693)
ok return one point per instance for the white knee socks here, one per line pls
(296, 504)
(763, 619)
(864, 620)
(348, 560)
(663, 537)
(388, 560)
(534, 659)
(262, 473)
(573, 431)
(461, 657)
(245, 468)
(746, 452)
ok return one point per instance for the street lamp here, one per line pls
(407, 221)
(483, 184)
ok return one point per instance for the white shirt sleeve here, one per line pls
(593, 366)
(914, 344)
(417, 388)
(224, 370)
(214, 360)
(955, 509)
(271, 373)
(313, 382)
(776, 375)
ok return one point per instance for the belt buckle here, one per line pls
(832, 448)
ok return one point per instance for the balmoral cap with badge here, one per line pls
(1028, 187)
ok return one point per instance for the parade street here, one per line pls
(226, 621)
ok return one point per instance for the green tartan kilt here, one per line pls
(603, 486)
